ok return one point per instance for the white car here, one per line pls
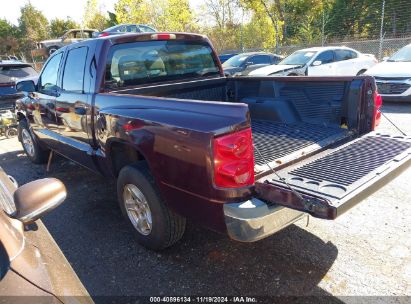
(393, 76)
(320, 61)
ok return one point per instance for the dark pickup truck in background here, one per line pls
(244, 156)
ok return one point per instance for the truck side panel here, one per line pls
(174, 137)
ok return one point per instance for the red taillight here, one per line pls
(234, 160)
(65, 110)
(377, 110)
(103, 34)
(163, 36)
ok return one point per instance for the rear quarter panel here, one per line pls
(174, 137)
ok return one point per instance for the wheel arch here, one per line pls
(122, 153)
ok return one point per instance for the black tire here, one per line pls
(38, 155)
(11, 132)
(167, 227)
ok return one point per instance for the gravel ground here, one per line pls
(365, 252)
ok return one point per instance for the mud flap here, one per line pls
(335, 180)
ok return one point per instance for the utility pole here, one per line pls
(381, 30)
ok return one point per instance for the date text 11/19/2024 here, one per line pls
(203, 299)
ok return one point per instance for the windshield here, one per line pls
(403, 55)
(155, 61)
(9, 72)
(235, 61)
(298, 58)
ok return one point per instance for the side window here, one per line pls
(353, 54)
(344, 55)
(261, 59)
(71, 35)
(145, 29)
(132, 29)
(325, 57)
(73, 77)
(48, 78)
(275, 60)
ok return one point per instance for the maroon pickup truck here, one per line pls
(243, 156)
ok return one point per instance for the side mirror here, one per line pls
(317, 63)
(26, 86)
(385, 58)
(35, 199)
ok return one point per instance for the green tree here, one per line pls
(94, 18)
(8, 37)
(164, 15)
(59, 26)
(33, 25)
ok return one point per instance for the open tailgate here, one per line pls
(335, 180)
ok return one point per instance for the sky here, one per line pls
(57, 8)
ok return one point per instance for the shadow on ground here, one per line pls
(90, 231)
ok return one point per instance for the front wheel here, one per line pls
(156, 226)
(33, 150)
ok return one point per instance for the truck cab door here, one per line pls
(73, 109)
(43, 118)
(322, 65)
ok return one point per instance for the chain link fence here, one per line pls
(379, 27)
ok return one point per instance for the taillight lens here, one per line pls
(377, 110)
(104, 34)
(234, 160)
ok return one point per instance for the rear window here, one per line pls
(156, 61)
(14, 71)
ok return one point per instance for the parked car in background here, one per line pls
(71, 36)
(125, 28)
(183, 141)
(393, 76)
(31, 263)
(243, 64)
(224, 57)
(11, 72)
(320, 61)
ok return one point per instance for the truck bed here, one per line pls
(278, 143)
(289, 119)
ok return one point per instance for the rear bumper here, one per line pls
(254, 220)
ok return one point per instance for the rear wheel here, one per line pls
(156, 226)
(33, 150)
